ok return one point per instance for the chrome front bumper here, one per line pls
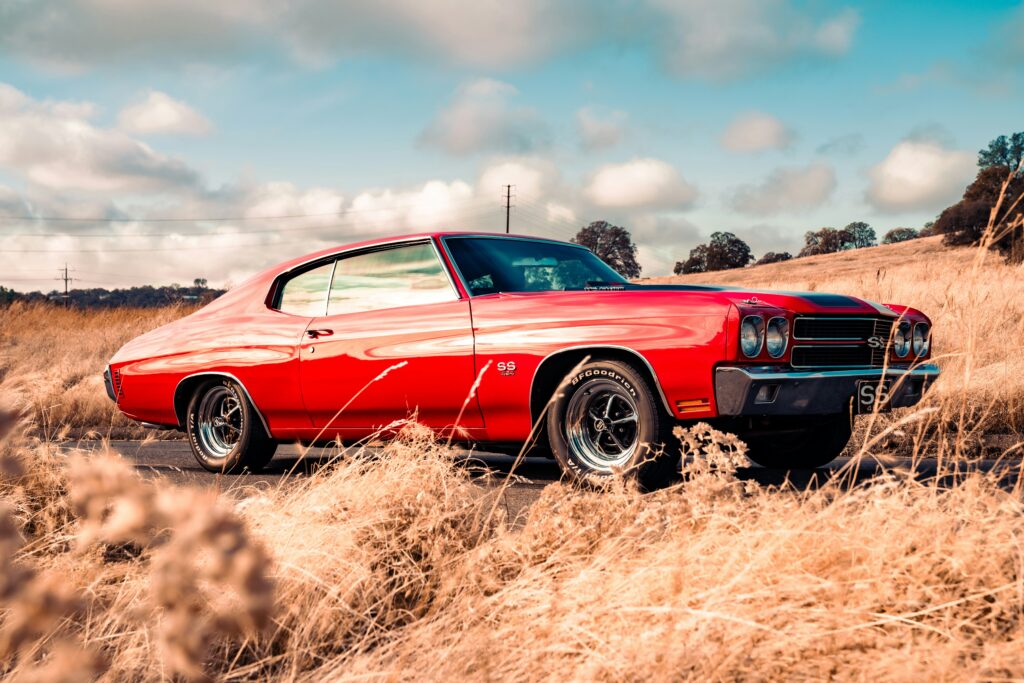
(779, 391)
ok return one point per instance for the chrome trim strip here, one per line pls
(598, 347)
(929, 370)
(444, 266)
(824, 317)
(255, 407)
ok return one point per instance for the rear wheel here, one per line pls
(225, 431)
(814, 442)
(606, 421)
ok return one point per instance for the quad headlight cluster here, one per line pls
(755, 335)
(907, 337)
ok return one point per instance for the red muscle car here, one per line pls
(501, 340)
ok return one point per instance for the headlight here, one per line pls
(921, 340)
(777, 337)
(751, 335)
(901, 340)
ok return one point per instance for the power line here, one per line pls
(475, 210)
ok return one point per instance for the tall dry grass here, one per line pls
(52, 360)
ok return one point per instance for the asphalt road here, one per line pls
(174, 461)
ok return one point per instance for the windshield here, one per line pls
(490, 265)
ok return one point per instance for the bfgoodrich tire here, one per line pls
(225, 431)
(605, 421)
(813, 442)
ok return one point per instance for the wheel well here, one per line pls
(555, 367)
(184, 391)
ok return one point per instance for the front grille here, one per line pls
(844, 341)
(833, 356)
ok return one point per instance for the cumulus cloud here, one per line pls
(734, 38)
(919, 174)
(600, 132)
(755, 132)
(534, 179)
(787, 189)
(723, 39)
(161, 113)
(481, 117)
(55, 144)
(648, 183)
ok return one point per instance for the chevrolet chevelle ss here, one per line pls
(500, 341)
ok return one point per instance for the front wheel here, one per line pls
(807, 444)
(605, 421)
(225, 431)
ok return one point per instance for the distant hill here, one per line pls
(909, 259)
(133, 297)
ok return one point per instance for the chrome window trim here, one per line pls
(598, 347)
(356, 251)
(259, 413)
(826, 317)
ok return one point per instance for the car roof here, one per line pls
(313, 256)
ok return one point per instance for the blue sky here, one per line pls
(674, 119)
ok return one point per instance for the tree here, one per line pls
(200, 283)
(965, 222)
(725, 251)
(1003, 151)
(824, 241)
(857, 235)
(773, 257)
(900, 235)
(612, 244)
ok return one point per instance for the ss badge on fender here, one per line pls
(507, 368)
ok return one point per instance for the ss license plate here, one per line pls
(871, 392)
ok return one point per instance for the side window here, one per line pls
(306, 293)
(401, 276)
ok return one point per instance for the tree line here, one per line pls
(996, 195)
(134, 297)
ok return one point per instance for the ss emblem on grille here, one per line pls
(876, 342)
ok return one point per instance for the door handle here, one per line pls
(316, 334)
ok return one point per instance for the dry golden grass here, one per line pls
(52, 360)
(399, 565)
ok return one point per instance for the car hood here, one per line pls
(798, 302)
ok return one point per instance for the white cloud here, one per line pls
(533, 179)
(54, 144)
(919, 174)
(481, 118)
(600, 132)
(756, 131)
(726, 39)
(648, 183)
(693, 38)
(787, 189)
(161, 113)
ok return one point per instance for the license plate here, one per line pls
(872, 393)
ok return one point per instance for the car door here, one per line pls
(396, 339)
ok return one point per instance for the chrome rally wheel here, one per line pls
(221, 420)
(604, 421)
(225, 431)
(601, 426)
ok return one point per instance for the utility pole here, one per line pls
(67, 280)
(508, 205)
